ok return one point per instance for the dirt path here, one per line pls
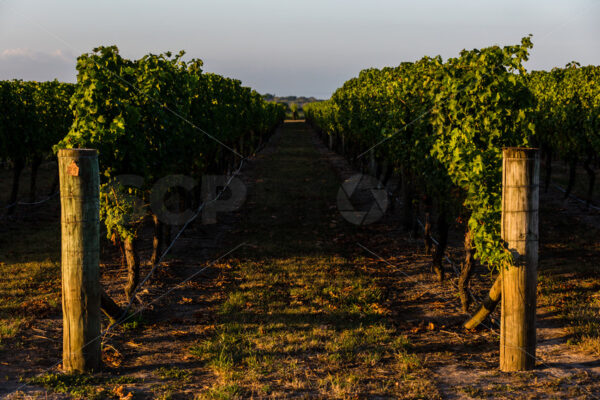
(305, 315)
(301, 310)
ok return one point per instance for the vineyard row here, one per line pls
(441, 127)
(152, 117)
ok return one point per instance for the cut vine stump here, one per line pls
(80, 258)
(487, 305)
(520, 199)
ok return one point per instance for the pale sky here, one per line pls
(307, 47)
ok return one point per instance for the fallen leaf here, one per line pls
(119, 391)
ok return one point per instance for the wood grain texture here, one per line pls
(520, 200)
(80, 263)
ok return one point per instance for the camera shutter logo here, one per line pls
(371, 195)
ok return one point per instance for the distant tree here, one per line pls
(294, 108)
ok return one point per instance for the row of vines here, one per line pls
(148, 118)
(441, 127)
(568, 119)
(35, 116)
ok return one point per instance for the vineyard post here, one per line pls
(79, 199)
(520, 199)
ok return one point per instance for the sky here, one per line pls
(283, 47)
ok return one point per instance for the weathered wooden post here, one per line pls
(79, 200)
(520, 199)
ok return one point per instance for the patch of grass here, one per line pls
(266, 389)
(123, 380)
(84, 386)
(472, 392)
(234, 303)
(80, 386)
(230, 391)
(345, 346)
(174, 373)
(29, 290)
(134, 323)
(166, 395)
(578, 305)
(339, 385)
(9, 328)
(407, 362)
(29, 274)
(367, 344)
(231, 346)
(165, 392)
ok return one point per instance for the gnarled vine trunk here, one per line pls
(487, 306)
(572, 175)
(548, 165)
(14, 193)
(394, 192)
(54, 184)
(110, 308)
(133, 267)
(35, 166)
(387, 174)
(465, 273)
(427, 227)
(157, 240)
(591, 177)
(440, 249)
(167, 234)
(407, 202)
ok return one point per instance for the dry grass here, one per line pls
(29, 259)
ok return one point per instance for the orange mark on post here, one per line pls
(73, 169)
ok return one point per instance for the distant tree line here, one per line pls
(294, 104)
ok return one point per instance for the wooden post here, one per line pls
(80, 265)
(520, 199)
